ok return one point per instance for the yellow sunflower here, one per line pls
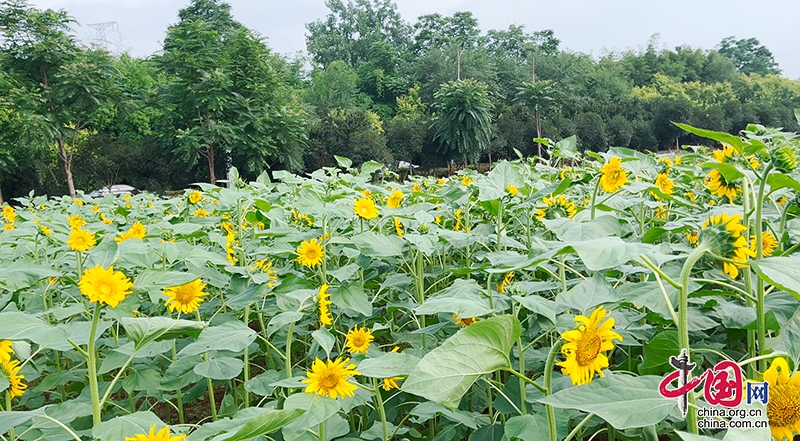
(185, 298)
(195, 197)
(137, 231)
(783, 408)
(556, 207)
(78, 202)
(585, 346)
(104, 285)
(464, 322)
(200, 212)
(692, 237)
(46, 231)
(330, 379)
(664, 183)
(717, 184)
(358, 340)
(507, 279)
(391, 383)
(726, 152)
(457, 215)
(724, 232)
(161, 435)
(512, 190)
(6, 351)
(393, 201)
(365, 208)
(9, 214)
(613, 175)
(80, 240)
(466, 181)
(310, 253)
(8, 227)
(768, 244)
(415, 187)
(10, 368)
(76, 221)
(325, 318)
(398, 227)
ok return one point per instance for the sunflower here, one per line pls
(8, 227)
(501, 287)
(719, 186)
(310, 253)
(768, 244)
(137, 231)
(195, 197)
(783, 408)
(358, 340)
(104, 285)
(200, 212)
(661, 212)
(95, 208)
(466, 181)
(325, 318)
(664, 183)
(330, 379)
(106, 220)
(726, 152)
(46, 231)
(185, 298)
(457, 214)
(6, 350)
(9, 214)
(393, 201)
(613, 176)
(391, 383)
(464, 322)
(10, 368)
(365, 208)
(76, 221)
(398, 227)
(512, 190)
(161, 435)
(724, 232)
(81, 240)
(692, 237)
(585, 346)
(415, 187)
(78, 202)
(556, 207)
(785, 159)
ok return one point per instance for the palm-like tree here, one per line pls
(463, 118)
(539, 96)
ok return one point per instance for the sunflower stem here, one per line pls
(209, 383)
(381, 410)
(288, 358)
(594, 197)
(522, 391)
(548, 377)
(683, 328)
(181, 418)
(761, 324)
(79, 263)
(747, 277)
(91, 365)
(419, 284)
(246, 371)
(321, 434)
(579, 427)
(499, 226)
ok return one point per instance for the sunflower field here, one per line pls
(544, 300)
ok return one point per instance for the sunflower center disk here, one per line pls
(105, 289)
(184, 296)
(783, 408)
(329, 380)
(588, 347)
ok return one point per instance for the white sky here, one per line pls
(589, 26)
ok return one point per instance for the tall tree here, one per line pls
(463, 118)
(540, 96)
(58, 85)
(749, 56)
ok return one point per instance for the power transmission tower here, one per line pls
(102, 30)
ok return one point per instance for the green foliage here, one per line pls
(462, 118)
(749, 56)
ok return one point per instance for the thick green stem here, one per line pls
(683, 328)
(548, 377)
(761, 324)
(181, 418)
(8, 408)
(419, 285)
(522, 391)
(91, 366)
(321, 435)
(577, 428)
(209, 383)
(499, 226)
(747, 277)
(594, 198)
(381, 410)
(246, 358)
(288, 358)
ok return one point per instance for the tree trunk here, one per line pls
(66, 159)
(1, 196)
(538, 130)
(210, 156)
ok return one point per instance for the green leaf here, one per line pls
(789, 340)
(576, 231)
(343, 162)
(539, 305)
(608, 252)
(142, 379)
(268, 422)
(496, 182)
(156, 280)
(378, 245)
(623, 401)
(16, 325)
(105, 254)
(16, 418)
(325, 339)
(528, 427)
(352, 296)
(446, 373)
(263, 384)
(231, 336)
(390, 364)
(220, 368)
(24, 273)
(281, 320)
(728, 171)
(317, 409)
(777, 181)
(370, 167)
(725, 138)
(588, 294)
(797, 115)
(145, 330)
(125, 426)
(781, 272)
(657, 352)
(463, 298)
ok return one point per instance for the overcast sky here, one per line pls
(588, 26)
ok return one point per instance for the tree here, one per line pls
(463, 118)
(749, 56)
(226, 96)
(539, 96)
(58, 85)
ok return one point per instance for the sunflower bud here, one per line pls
(785, 158)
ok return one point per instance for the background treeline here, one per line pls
(374, 87)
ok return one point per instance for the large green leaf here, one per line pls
(317, 409)
(446, 373)
(105, 254)
(607, 252)
(789, 340)
(16, 418)
(588, 294)
(657, 352)
(390, 364)
(463, 298)
(777, 181)
(23, 273)
(352, 296)
(145, 330)
(722, 137)
(220, 368)
(576, 231)
(781, 272)
(121, 427)
(378, 245)
(528, 427)
(231, 336)
(496, 182)
(728, 171)
(623, 401)
(266, 423)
